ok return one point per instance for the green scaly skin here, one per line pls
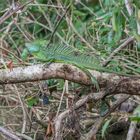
(85, 67)
(69, 55)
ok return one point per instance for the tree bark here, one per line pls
(113, 83)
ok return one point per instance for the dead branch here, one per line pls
(63, 115)
(9, 13)
(122, 46)
(132, 128)
(54, 70)
(91, 135)
(8, 134)
(125, 86)
(117, 84)
(131, 131)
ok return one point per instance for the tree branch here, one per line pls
(8, 134)
(116, 84)
(54, 70)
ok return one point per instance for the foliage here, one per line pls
(136, 115)
(94, 28)
(85, 36)
(105, 126)
(31, 101)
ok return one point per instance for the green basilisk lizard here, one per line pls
(69, 55)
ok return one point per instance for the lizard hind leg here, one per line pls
(50, 61)
(93, 79)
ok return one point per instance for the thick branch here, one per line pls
(54, 70)
(116, 83)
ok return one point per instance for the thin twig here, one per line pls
(57, 25)
(23, 136)
(23, 109)
(58, 121)
(91, 135)
(12, 11)
(64, 89)
(128, 6)
(131, 130)
(122, 46)
(9, 134)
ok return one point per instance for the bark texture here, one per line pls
(114, 84)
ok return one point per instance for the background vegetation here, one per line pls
(95, 27)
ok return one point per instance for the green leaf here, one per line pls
(80, 27)
(114, 22)
(138, 70)
(103, 108)
(105, 126)
(135, 118)
(110, 36)
(137, 3)
(136, 115)
(31, 101)
(133, 23)
(137, 111)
